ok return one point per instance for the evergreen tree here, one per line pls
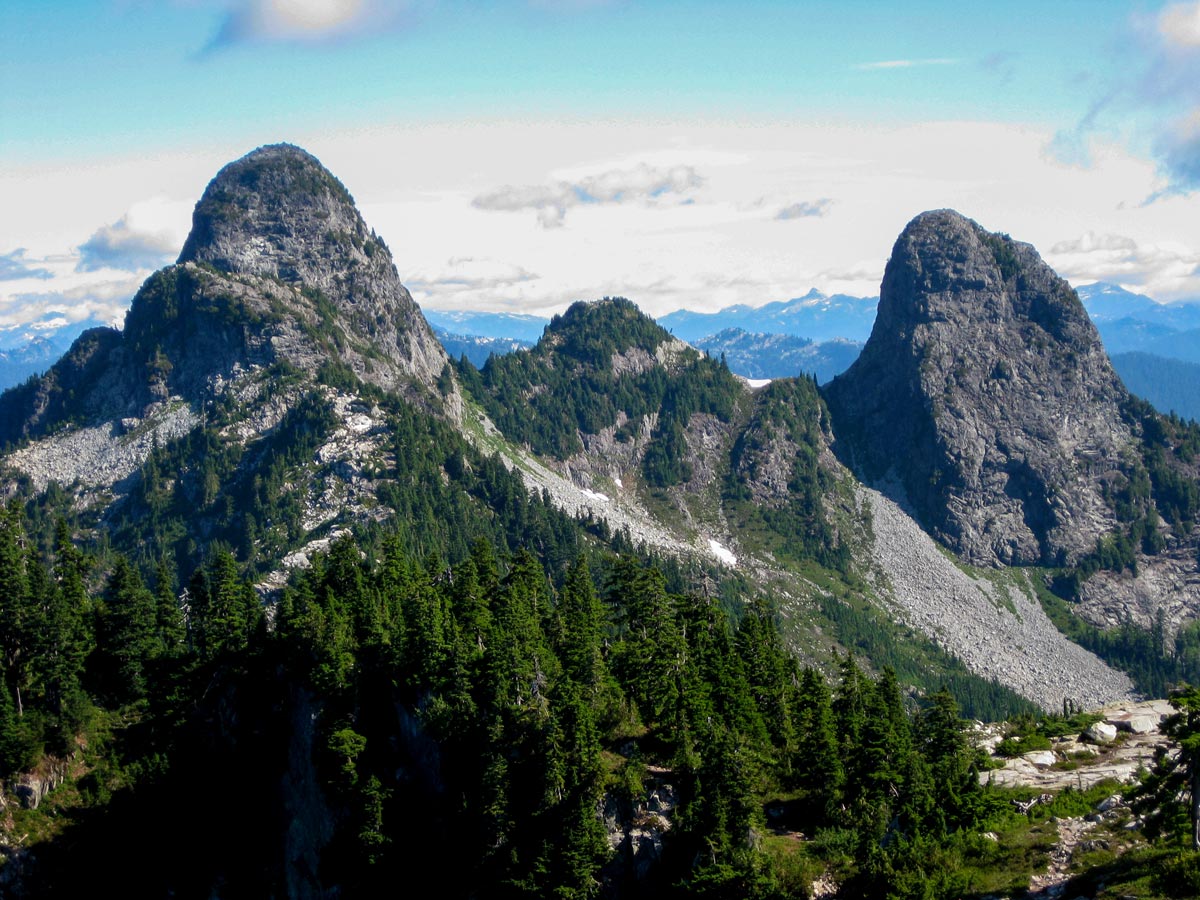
(16, 612)
(169, 623)
(127, 638)
(652, 654)
(951, 761)
(818, 762)
(1170, 795)
(582, 616)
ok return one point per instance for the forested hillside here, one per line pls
(404, 714)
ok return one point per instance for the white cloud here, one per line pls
(126, 247)
(466, 280)
(1090, 242)
(642, 183)
(1179, 25)
(805, 209)
(105, 302)
(1162, 271)
(310, 21)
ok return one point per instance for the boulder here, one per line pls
(1101, 733)
(1143, 724)
(1040, 758)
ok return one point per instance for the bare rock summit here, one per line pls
(984, 399)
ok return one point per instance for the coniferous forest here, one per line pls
(506, 728)
(469, 720)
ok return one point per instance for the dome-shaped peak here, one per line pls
(260, 210)
(939, 218)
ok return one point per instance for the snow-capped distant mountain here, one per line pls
(34, 348)
(476, 347)
(780, 355)
(816, 316)
(1130, 322)
(461, 322)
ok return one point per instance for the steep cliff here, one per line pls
(985, 398)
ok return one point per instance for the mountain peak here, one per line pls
(985, 392)
(269, 213)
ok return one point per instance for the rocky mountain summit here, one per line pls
(279, 269)
(985, 395)
(278, 214)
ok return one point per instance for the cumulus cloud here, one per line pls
(805, 209)
(310, 21)
(13, 267)
(1090, 242)
(1179, 25)
(471, 282)
(642, 183)
(1163, 272)
(123, 246)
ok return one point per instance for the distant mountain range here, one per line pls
(1130, 322)
(756, 355)
(518, 326)
(816, 316)
(477, 348)
(25, 352)
(815, 334)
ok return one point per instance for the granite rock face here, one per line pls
(278, 214)
(279, 268)
(984, 399)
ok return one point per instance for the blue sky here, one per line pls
(733, 152)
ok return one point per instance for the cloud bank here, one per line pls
(125, 247)
(13, 267)
(1160, 271)
(641, 184)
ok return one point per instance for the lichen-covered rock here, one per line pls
(985, 394)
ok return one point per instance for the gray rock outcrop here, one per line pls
(985, 392)
(279, 269)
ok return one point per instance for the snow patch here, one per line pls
(758, 382)
(721, 552)
(594, 495)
